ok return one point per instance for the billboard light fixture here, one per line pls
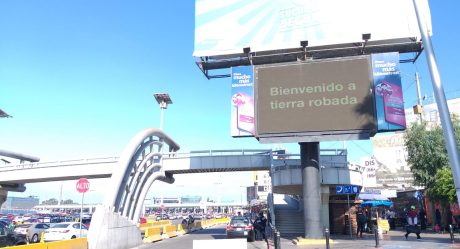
(304, 45)
(247, 52)
(366, 37)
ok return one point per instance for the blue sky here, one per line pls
(78, 79)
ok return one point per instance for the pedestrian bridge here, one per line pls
(173, 163)
(285, 168)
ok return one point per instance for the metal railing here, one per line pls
(59, 163)
(273, 237)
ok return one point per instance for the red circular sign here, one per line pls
(82, 185)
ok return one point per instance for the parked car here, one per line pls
(240, 227)
(5, 222)
(32, 231)
(11, 238)
(18, 219)
(65, 230)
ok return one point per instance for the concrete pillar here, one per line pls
(309, 160)
(3, 196)
(325, 205)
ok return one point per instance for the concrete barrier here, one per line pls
(30, 246)
(197, 225)
(170, 230)
(80, 243)
(152, 234)
(181, 229)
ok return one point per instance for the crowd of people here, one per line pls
(412, 220)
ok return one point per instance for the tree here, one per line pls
(69, 201)
(428, 159)
(426, 153)
(51, 201)
(444, 189)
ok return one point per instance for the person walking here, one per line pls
(259, 224)
(412, 226)
(361, 219)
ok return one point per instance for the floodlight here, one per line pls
(304, 44)
(247, 50)
(162, 98)
(366, 36)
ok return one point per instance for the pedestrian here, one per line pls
(361, 219)
(190, 222)
(259, 224)
(391, 219)
(412, 226)
(12, 225)
(438, 217)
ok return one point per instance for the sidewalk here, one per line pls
(393, 240)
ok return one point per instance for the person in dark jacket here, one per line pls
(361, 219)
(259, 225)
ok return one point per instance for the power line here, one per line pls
(361, 148)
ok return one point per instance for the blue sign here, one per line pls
(347, 189)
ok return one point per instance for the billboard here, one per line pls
(389, 102)
(390, 154)
(321, 97)
(226, 27)
(242, 103)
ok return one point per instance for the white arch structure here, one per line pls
(114, 224)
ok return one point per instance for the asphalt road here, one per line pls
(186, 241)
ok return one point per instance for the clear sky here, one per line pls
(78, 79)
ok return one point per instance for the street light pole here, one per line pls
(444, 114)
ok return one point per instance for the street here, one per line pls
(186, 241)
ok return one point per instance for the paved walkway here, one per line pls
(393, 240)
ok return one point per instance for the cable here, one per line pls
(361, 148)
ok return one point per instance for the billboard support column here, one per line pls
(449, 136)
(309, 160)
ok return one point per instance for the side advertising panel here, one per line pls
(389, 100)
(242, 112)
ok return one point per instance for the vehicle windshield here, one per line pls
(62, 225)
(239, 221)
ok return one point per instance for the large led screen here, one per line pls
(323, 97)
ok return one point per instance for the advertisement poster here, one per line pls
(390, 155)
(242, 110)
(389, 100)
(266, 25)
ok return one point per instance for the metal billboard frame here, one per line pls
(207, 64)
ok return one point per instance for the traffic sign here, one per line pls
(82, 185)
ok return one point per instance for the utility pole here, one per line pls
(418, 109)
(449, 136)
